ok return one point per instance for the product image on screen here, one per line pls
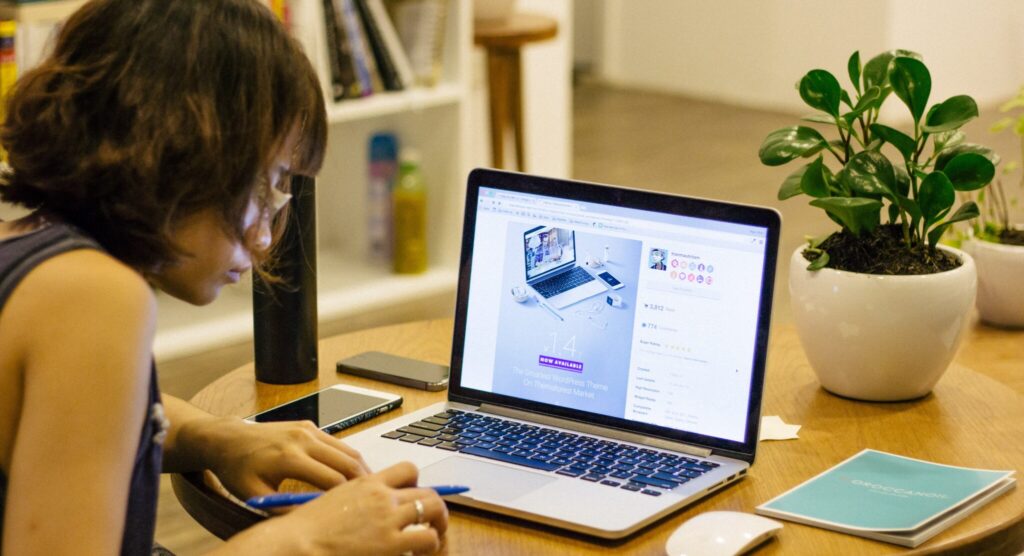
(329, 407)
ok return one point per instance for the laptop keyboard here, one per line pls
(564, 453)
(563, 282)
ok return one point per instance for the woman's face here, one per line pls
(213, 256)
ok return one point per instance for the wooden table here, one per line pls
(970, 419)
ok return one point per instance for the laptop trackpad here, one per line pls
(487, 481)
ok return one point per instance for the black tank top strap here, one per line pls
(20, 254)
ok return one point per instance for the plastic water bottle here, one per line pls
(382, 173)
(409, 208)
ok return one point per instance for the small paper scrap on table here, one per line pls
(773, 428)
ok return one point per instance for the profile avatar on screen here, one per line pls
(551, 269)
(657, 259)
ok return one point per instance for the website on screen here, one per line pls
(626, 313)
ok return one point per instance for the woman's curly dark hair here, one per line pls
(150, 110)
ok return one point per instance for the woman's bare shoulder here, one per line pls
(82, 288)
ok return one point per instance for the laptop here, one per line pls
(606, 416)
(549, 257)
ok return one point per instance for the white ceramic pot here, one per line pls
(1000, 271)
(493, 9)
(880, 338)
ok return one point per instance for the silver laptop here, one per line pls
(549, 258)
(608, 415)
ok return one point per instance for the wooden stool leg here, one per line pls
(516, 105)
(497, 82)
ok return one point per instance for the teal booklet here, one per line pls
(889, 498)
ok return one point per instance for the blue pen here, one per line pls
(293, 498)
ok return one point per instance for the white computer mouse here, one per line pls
(721, 534)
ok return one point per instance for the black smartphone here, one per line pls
(398, 370)
(332, 409)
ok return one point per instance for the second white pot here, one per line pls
(880, 338)
(1000, 270)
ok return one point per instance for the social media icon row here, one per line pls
(699, 267)
(690, 277)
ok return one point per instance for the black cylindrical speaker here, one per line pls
(284, 313)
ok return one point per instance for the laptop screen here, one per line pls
(546, 249)
(669, 343)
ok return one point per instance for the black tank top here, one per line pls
(18, 256)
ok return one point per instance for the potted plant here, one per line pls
(995, 243)
(879, 305)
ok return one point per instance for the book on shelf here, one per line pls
(420, 25)
(343, 74)
(393, 44)
(890, 498)
(385, 64)
(362, 56)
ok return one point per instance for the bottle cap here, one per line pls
(383, 146)
(410, 155)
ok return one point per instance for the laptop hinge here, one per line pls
(595, 430)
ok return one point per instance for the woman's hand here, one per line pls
(253, 459)
(370, 515)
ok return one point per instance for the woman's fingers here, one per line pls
(419, 540)
(340, 461)
(349, 451)
(311, 471)
(399, 475)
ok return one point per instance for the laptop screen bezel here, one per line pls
(637, 199)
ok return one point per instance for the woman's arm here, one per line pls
(253, 459)
(84, 330)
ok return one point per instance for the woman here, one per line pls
(153, 148)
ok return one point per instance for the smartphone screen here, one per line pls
(325, 408)
(607, 277)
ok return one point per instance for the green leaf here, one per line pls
(783, 145)
(819, 263)
(791, 185)
(894, 213)
(902, 180)
(969, 171)
(869, 173)
(910, 207)
(819, 119)
(845, 97)
(935, 197)
(903, 142)
(853, 68)
(948, 139)
(912, 82)
(857, 214)
(1019, 127)
(867, 100)
(821, 90)
(951, 114)
(951, 152)
(1001, 125)
(815, 181)
(967, 211)
(876, 71)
